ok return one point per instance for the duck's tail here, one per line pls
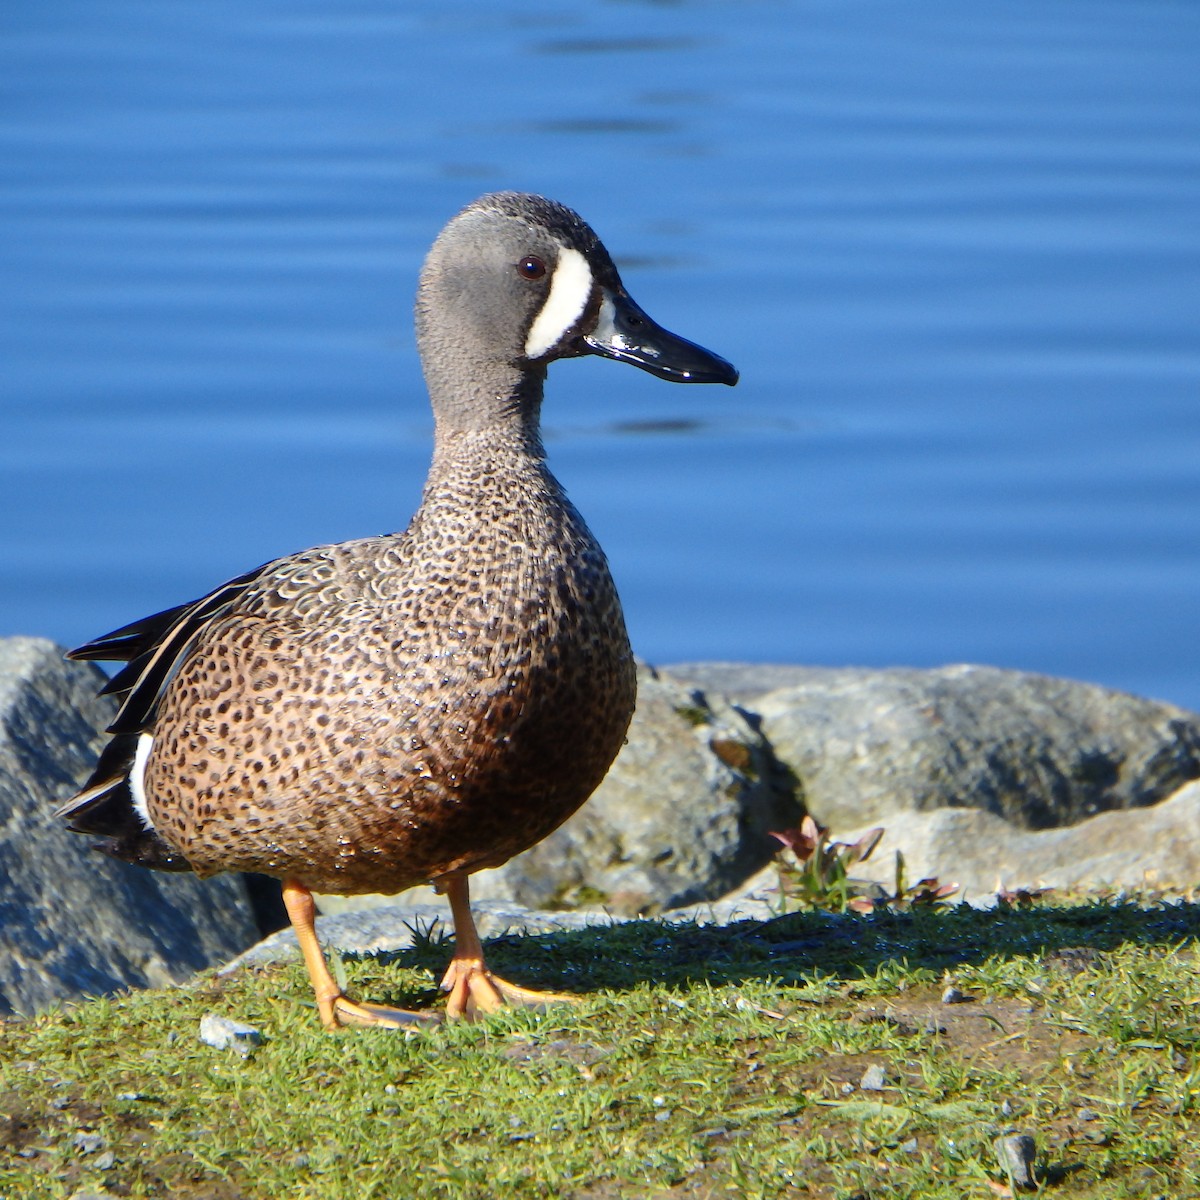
(105, 806)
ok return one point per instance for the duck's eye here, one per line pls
(531, 267)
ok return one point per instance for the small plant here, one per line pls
(428, 936)
(1021, 898)
(695, 714)
(925, 893)
(814, 872)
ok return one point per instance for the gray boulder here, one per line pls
(1039, 752)
(1146, 849)
(73, 922)
(394, 925)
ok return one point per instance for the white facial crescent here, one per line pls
(570, 288)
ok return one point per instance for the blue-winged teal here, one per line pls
(370, 715)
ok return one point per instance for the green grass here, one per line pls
(700, 1062)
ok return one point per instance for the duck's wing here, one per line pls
(154, 647)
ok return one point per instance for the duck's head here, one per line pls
(516, 281)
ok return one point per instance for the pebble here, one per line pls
(953, 996)
(1015, 1153)
(873, 1079)
(105, 1161)
(87, 1143)
(223, 1034)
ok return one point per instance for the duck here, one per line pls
(418, 706)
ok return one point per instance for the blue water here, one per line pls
(954, 249)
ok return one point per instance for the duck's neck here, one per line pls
(489, 484)
(502, 414)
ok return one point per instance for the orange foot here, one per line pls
(474, 989)
(341, 1010)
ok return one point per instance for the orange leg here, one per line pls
(472, 987)
(335, 1007)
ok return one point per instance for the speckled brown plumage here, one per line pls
(369, 715)
(385, 711)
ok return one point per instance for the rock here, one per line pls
(1150, 847)
(1037, 751)
(75, 922)
(968, 769)
(224, 1034)
(1015, 1152)
(682, 817)
(952, 995)
(874, 1079)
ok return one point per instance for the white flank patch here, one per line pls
(570, 288)
(137, 778)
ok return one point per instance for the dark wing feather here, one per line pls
(126, 643)
(153, 648)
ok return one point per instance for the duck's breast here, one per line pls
(389, 710)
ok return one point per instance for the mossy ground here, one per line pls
(700, 1062)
